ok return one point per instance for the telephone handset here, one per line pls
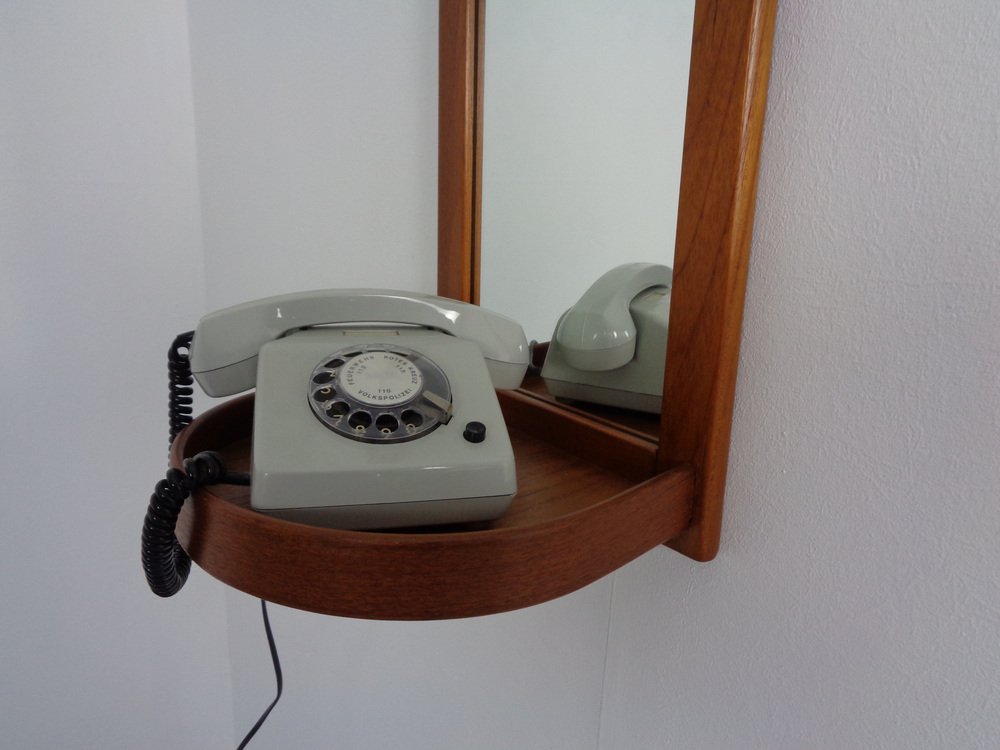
(227, 341)
(610, 347)
(374, 408)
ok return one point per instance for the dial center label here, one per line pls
(381, 379)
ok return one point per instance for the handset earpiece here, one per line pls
(598, 332)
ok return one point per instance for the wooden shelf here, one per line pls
(577, 517)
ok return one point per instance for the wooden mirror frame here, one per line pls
(727, 91)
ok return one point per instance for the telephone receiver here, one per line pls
(610, 347)
(224, 354)
(374, 408)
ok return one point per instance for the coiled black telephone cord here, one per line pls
(181, 404)
(164, 561)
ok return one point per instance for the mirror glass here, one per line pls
(584, 110)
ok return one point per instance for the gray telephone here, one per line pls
(610, 347)
(374, 408)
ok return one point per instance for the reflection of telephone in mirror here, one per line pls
(610, 347)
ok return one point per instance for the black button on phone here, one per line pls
(475, 432)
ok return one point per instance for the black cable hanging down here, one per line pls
(276, 663)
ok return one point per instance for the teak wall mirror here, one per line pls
(730, 59)
(595, 490)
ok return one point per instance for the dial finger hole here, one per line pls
(324, 394)
(387, 424)
(337, 409)
(412, 418)
(360, 420)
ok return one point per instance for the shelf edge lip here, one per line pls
(517, 567)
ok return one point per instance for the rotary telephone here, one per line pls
(374, 409)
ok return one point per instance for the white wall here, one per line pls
(855, 601)
(102, 265)
(317, 144)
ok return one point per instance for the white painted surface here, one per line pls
(102, 266)
(855, 601)
(317, 145)
(525, 679)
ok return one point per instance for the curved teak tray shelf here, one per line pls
(572, 522)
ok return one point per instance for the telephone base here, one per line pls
(305, 471)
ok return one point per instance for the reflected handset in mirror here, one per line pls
(610, 347)
(374, 408)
